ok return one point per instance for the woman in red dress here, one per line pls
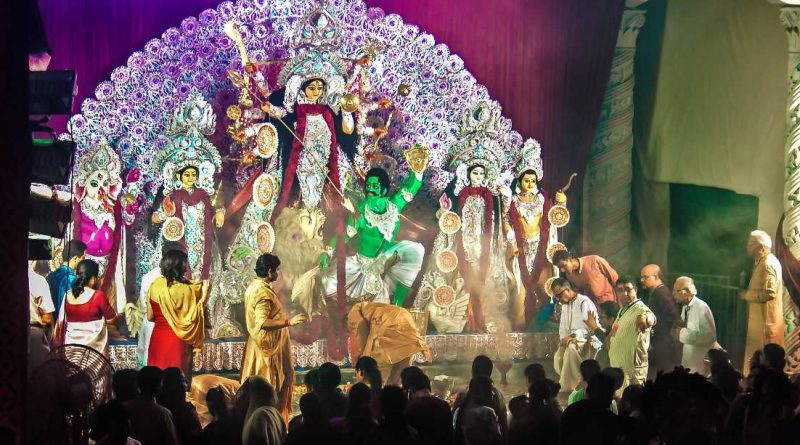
(175, 306)
(86, 311)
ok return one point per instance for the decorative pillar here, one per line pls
(607, 188)
(790, 17)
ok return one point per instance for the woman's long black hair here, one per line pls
(369, 367)
(174, 265)
(84, 272)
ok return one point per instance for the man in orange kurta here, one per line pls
(590, 275)
(386, 333)
(267, 351)
(765, 297)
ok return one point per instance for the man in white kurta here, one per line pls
(699, 332)
(42, 309)
(577, 342)
(630, 334)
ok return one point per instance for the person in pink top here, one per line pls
(590, 275)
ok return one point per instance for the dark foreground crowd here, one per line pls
(679, 407)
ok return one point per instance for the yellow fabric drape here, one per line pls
(182, 306)
(384, 332)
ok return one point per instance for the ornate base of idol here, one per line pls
(221, 356)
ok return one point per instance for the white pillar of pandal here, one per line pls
(607, 189)
(790, 18)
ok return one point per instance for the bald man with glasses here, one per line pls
(665, 351)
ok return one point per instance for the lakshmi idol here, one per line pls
(188, 212)
(97, 217)
(187, 166)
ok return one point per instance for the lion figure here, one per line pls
(298, 241)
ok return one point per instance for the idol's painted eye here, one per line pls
(94, 184)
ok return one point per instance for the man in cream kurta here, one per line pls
(699, 332)
(630, 334)
(577, 342)
(765, 297)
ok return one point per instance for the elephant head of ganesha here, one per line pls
(97, 176)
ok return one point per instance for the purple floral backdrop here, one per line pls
(546, 61)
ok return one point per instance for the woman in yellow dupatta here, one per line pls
(175, 305)
(267, 351)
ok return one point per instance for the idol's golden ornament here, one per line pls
(245, 100)
(558, 215)
(417, 158)
(236, 79)
(403, 89)
(449, 222)
(444, 296)
(234, 112)
(447, 261)
(548, 284)
(351, 102)
(553, 248)
(173, 229)
(236, 134)
(265, 237)
(267, 140)
(264, 190)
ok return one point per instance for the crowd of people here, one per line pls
(677, 407)
(628, 369)
(604, 318)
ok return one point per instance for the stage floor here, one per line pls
(224, 356)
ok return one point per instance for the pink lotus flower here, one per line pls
(133, 175)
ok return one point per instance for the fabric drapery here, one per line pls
(191, 199)
(384, 332)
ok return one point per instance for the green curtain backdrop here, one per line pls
(711, 93)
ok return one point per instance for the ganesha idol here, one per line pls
(97, 216)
